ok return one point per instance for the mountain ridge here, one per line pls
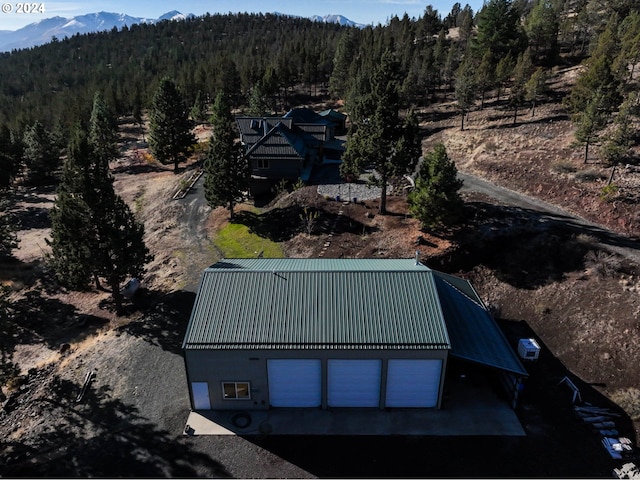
(45, 30)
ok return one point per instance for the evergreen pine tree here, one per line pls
(343, 64)
(435, 201)
(199, 110)
(103, 131)
(598, 77)
(122, 251)
(226, 169)
(521, 75)
(504, 69)
(10, 158)
(259, 103)
(379, 137)
(590, 122)
(94, 233)
(73, 243)
(542, 26)
(465, 89)
(137, 111)
(485, 76)
(8, 332)
(499, 30)
(618, 145)
(40, 154)
(8, 229)
(536, 86)
(170, 136)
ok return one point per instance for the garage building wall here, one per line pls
(214, 367)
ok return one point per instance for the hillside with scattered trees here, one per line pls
(98, 132)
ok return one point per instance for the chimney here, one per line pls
(417, 257)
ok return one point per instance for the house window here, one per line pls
(236, 390)
(263, 163)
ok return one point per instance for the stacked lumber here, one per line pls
(628, 470)
(617, 447)
(603, 422)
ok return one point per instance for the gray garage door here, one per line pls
(413, 383)
(353, 383)
(295, 383)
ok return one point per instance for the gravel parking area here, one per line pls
(349, 191)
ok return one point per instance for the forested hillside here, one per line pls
(55, 82)
(508, 50)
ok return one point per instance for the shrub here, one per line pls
(609, 192)
(563, 166)
(602, 263)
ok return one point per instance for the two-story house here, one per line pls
(289, 147)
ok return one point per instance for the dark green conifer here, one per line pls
(435, 201)
(226, 169)
(170, 136)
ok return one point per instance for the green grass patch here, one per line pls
(236, 241)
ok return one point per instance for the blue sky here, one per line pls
(361, 11)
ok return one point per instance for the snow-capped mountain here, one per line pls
(337, 19)
(43, 31)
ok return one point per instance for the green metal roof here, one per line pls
(475, 335)
(295, 303)
(321, 264)
(317, 303)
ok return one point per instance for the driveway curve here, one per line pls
(606, 239)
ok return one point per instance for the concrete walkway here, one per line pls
(470, 409)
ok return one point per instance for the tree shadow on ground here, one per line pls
(527, 248)
(277, 224)
(99, 437)
(30, 218)
(524, 120)
(139, 168)
(545, 394)
(332, 223)
(33, 194)
(165, 322)
(40, 319)
(557, 443)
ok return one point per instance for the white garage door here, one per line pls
(353, 383)
(413, 383)
(294, 383)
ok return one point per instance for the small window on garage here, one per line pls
(263, 163)
(236, 390)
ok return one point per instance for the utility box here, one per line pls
(528, 349)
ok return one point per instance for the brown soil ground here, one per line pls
(581, 303)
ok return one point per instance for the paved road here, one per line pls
(552, 214)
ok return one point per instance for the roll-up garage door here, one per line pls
(353, 383)
(413, 383)
(294, 383)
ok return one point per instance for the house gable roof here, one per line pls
(333, 115)
(253, 129)
(279, 142)
(302, 115)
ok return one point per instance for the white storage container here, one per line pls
(528, 349)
